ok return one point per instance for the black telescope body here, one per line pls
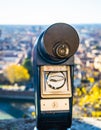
(53, 60)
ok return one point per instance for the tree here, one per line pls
(28, 65)
(88, 100)
(16, 73)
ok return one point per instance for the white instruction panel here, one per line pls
(54, 104)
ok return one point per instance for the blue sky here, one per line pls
(50, 11)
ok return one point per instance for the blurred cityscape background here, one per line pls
(16, 71)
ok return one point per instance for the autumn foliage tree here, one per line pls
(88, 100)
(16, 73)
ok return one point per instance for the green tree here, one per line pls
(16, 73)
(28, 65)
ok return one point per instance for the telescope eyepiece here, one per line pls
(61, 50)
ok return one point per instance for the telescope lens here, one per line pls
(62, 50)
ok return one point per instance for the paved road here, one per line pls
(4, 115)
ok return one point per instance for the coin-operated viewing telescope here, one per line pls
(53, 60)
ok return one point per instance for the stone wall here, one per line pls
(17, 124)
(29, 124)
